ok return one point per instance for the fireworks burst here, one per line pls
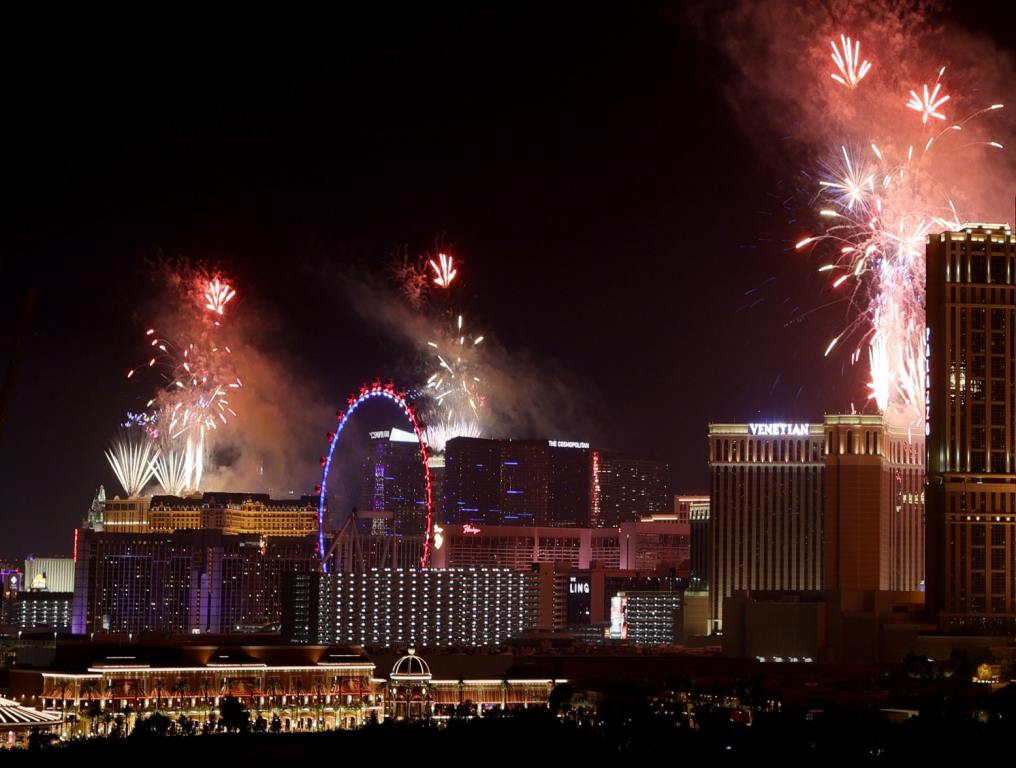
(848, 61)
(446, 272)
(929, 101)
(880, 208)
(130, 456)
(454, 385)
(217, 295)
(197, 382)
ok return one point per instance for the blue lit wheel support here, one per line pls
(353, 402)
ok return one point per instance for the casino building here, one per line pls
(641, 546)
(805, 507)
(971, 400)
(306, 687)
(86, 687)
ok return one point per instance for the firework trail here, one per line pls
(217, 295)
(848, 61)
(197, 379)
(130, 456)
(446, 272)
(171, 471)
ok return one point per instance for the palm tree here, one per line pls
(92, 712)
(273, 689)
(158, 689)
(180, 689)
(63, 686)
(206, 695)
(107, 719)
(319, 689)
(89, 688)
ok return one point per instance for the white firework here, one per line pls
(130, 456)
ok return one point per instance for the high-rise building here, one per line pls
(766, 508)
(183, 582)
(516, 482)
(430, 607)
(694, 510)
(971, 342)
(646, 618)
(800, 507)
(570, 484)
(392, 479)
(874, 505)
(626, 489)
(472, 481)
(525, 482)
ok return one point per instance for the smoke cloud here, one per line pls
(784, 96)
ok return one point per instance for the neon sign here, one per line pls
(470, 529)
(778, 429)
(566, 444)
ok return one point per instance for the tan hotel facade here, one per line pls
(971, 318)
(805, 507)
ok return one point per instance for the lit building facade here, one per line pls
(569, 484)
(235, 514)
(230, 513)
(696, 509)
(874, 505)
(516, 482)
(35, 610)
(413, 692)
(644, 546)
(427, 608)
(54, 574)
(306, 687)
(766, 509)
(798, 507)
(626, 489)
(646, 617)
(971, 456)
(183, 582)
(472, 481)
(392, 479)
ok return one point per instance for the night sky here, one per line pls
(618, 228)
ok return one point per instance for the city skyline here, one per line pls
(632, 379)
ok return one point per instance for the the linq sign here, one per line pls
(778, 429)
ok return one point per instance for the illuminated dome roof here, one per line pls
(410, 667)
(14, 715)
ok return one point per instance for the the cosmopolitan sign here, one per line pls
(776, 430)
(566, 444)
